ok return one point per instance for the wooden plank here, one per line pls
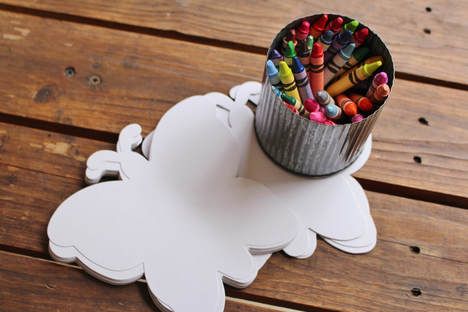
(404, 26)
(380, 281)
(31, 284)
(141, 80)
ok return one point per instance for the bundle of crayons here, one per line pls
(318, 67)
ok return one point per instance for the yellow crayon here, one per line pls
(369, 60)
(289, 85)
(353, 78)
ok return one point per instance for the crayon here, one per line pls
(304, 56)
(349, 107)
(359, 74)
(380, 93)
(275, 57)
(357, 118)
(333, 112)
(362, 102)
(316, 69)
(272, 73)
(311, 105)
(360, 36)
(379, 79)
(318, 117)
(324, 98)
(351, 26)
(290, 36)
(291, 108)
(302, 81)
(369, 60)
(303, 31)
(335, 25)
(289, 53)
(319, 26)
(289, 85)
(340, 40)
(358, 55)
(325, 39)
(288, 99)
(337, 62)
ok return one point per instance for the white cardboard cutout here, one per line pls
(182, 218)
(335, 207)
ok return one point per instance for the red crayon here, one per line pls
(303, 31)
(360, 36)
(316, 76)
(319, 26)
(348, 106)
(335, 25)
(363, 103)
(311, 105)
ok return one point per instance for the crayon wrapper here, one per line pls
(305, 147)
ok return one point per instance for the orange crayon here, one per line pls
(363, 103)
(380, 93)
(348, 106)
(316, 78)
(359, 74)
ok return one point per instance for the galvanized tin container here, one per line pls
(302, 146)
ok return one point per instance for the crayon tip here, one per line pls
(284, 70)
(303, 31)
(383, 90)
(321, 23)
(327, 37)
(357, 118)
(311, 105)
(297, 66)
(351, 26)
(381, 78)
(318, 117)
(361, 35)
(317, 51)
(310, 42)
(345, 37)
(360, 53)
(322, 96)
(335, 25)
(347, 51)
(290, 50)
(331, 110)
(271, 69)
(275, 54)
(369, 69)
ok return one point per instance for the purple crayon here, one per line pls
(302, 80)
(379, 79)
(275, 57)
(341, 40)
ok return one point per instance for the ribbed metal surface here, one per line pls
(306, 147)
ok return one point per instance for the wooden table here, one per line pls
(72, 74)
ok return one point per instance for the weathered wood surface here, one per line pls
(425, 43)
(31, 284)
(140, 80)
(32, 188)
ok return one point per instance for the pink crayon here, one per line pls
(318, 117)
(303, 31)
(357, 118)
(379, 79)
(311, 105)
(360, 36)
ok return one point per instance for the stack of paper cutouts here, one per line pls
(203, 205)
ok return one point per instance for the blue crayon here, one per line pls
(341, 40)
(302, 80)
(275, 57)
(333, 112)
(326, 39)
(272, 73)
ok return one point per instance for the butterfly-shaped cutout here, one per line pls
(334, 207)
(183, 218)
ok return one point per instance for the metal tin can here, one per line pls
(311, 148)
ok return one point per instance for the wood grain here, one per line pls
(140, 80)
(380, 281)
(403, 25)
(31, 284)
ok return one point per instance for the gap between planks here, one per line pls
(171, 34)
